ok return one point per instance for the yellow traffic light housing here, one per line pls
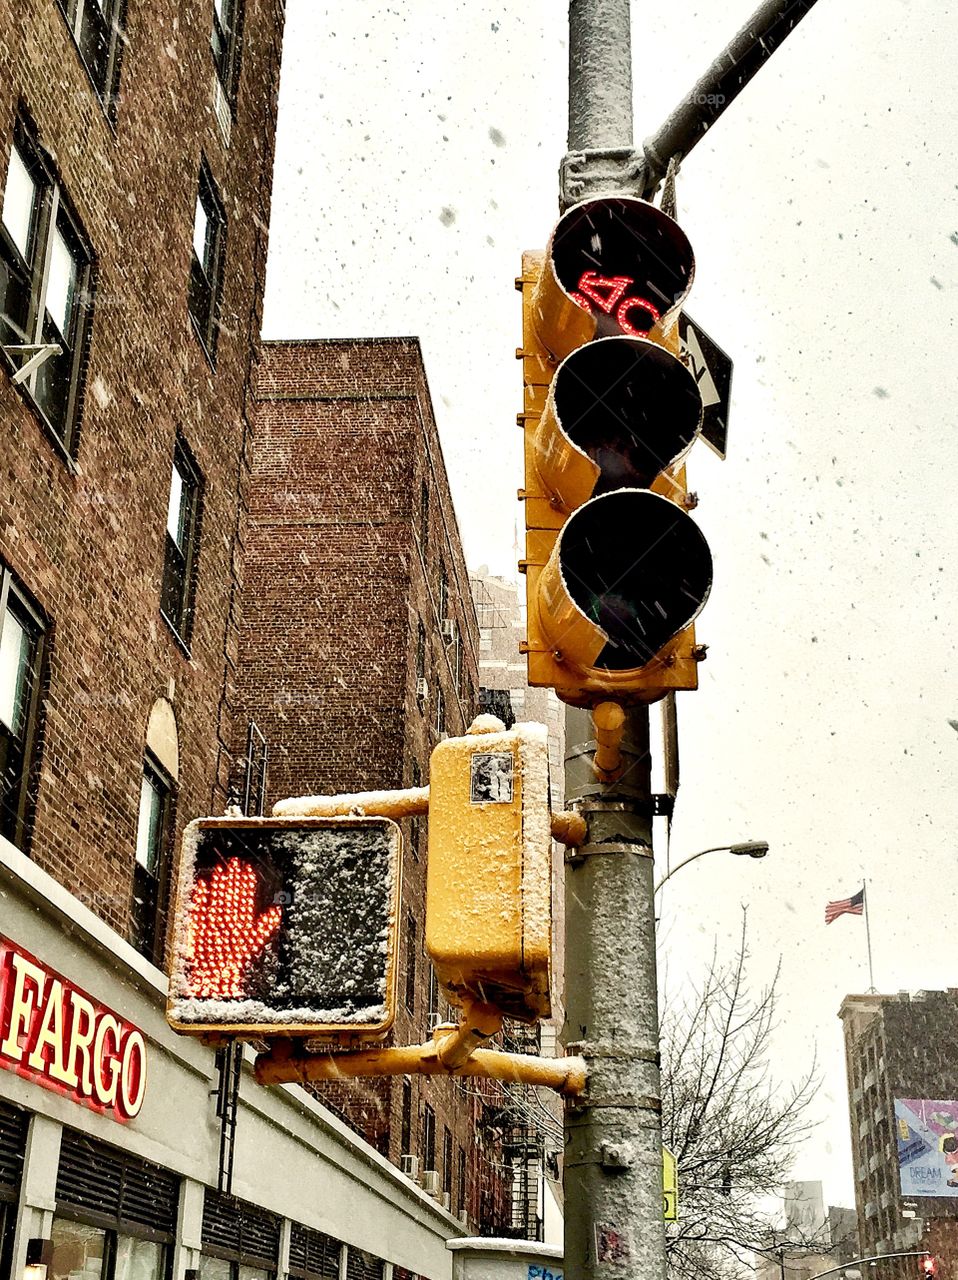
(286, 927)
(616, 571)
(489, 881)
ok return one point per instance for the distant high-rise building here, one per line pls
(813, 1238)
(903, 1103)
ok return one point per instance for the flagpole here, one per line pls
(868, 939)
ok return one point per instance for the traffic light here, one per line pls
(616, 569)
(489, 883)
(929, 1266)
(286, 927)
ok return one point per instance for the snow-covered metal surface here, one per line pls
(325, 959)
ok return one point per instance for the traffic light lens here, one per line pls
(639, 568)
(624, 261)
(630, 406)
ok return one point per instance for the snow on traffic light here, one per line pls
(286, 927)
(616, 569)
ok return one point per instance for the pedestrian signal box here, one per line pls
(286, 927)
(489, 884)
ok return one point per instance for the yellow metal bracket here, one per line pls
(453, 1051)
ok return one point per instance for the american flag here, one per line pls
(853, 906)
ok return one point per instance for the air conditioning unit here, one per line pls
(430, 1182)
(446, 1201)
(448, 629)
(422, 687)
(410, 1166)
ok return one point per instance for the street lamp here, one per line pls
(747, 848)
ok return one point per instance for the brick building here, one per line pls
(358, 654)
(533, 1138)
(136, 147)
(899, 1052)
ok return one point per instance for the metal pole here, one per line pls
(600, 75)
(868, 938)
(612, 1174)
(721, 84)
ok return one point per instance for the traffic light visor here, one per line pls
(619, 411)
(622, 262)
(286, 927)
(629, 571)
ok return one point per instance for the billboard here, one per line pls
(927, 1133)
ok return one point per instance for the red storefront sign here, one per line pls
(53, 1033)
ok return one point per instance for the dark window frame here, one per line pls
(461, 1206)
(410, 988)
(205, 292)
(225, 46)
(151, 888)
(405, 1124)
(181, 563)
(99, 39)
(428, 1137)
(56, 384)
(439, 722)
(447, 1161)
(15, 825)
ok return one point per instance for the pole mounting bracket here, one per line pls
(610, 171)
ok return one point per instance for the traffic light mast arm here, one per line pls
(567, 827)
(286, 1063)
(372, 804)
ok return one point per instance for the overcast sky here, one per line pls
(416, 158)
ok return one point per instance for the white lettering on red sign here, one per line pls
(53, 1033)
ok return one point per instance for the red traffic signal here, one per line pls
(616, 569)
(286, 926)
(929, 1266)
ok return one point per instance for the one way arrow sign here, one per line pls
(712, 370)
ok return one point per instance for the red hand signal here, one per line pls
(225, 933)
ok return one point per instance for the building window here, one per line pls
(435, 1013)
(182, 538)
(420, 664)
(405, 1135)
(461, 1182)
(410, 964)
(240, 1241)
(206, 271)
(115, 1216)
(313, 1255)
(443, 594)
(440, 721)
(415, 832)
(447, 1161)
(428, 1137)
(424, 517)
(45, 274)
(21, 657)
(225, 43)
(150, 870)
(95, 26)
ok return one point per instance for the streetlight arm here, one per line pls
(685, 862)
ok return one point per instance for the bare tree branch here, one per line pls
(733, 1131)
